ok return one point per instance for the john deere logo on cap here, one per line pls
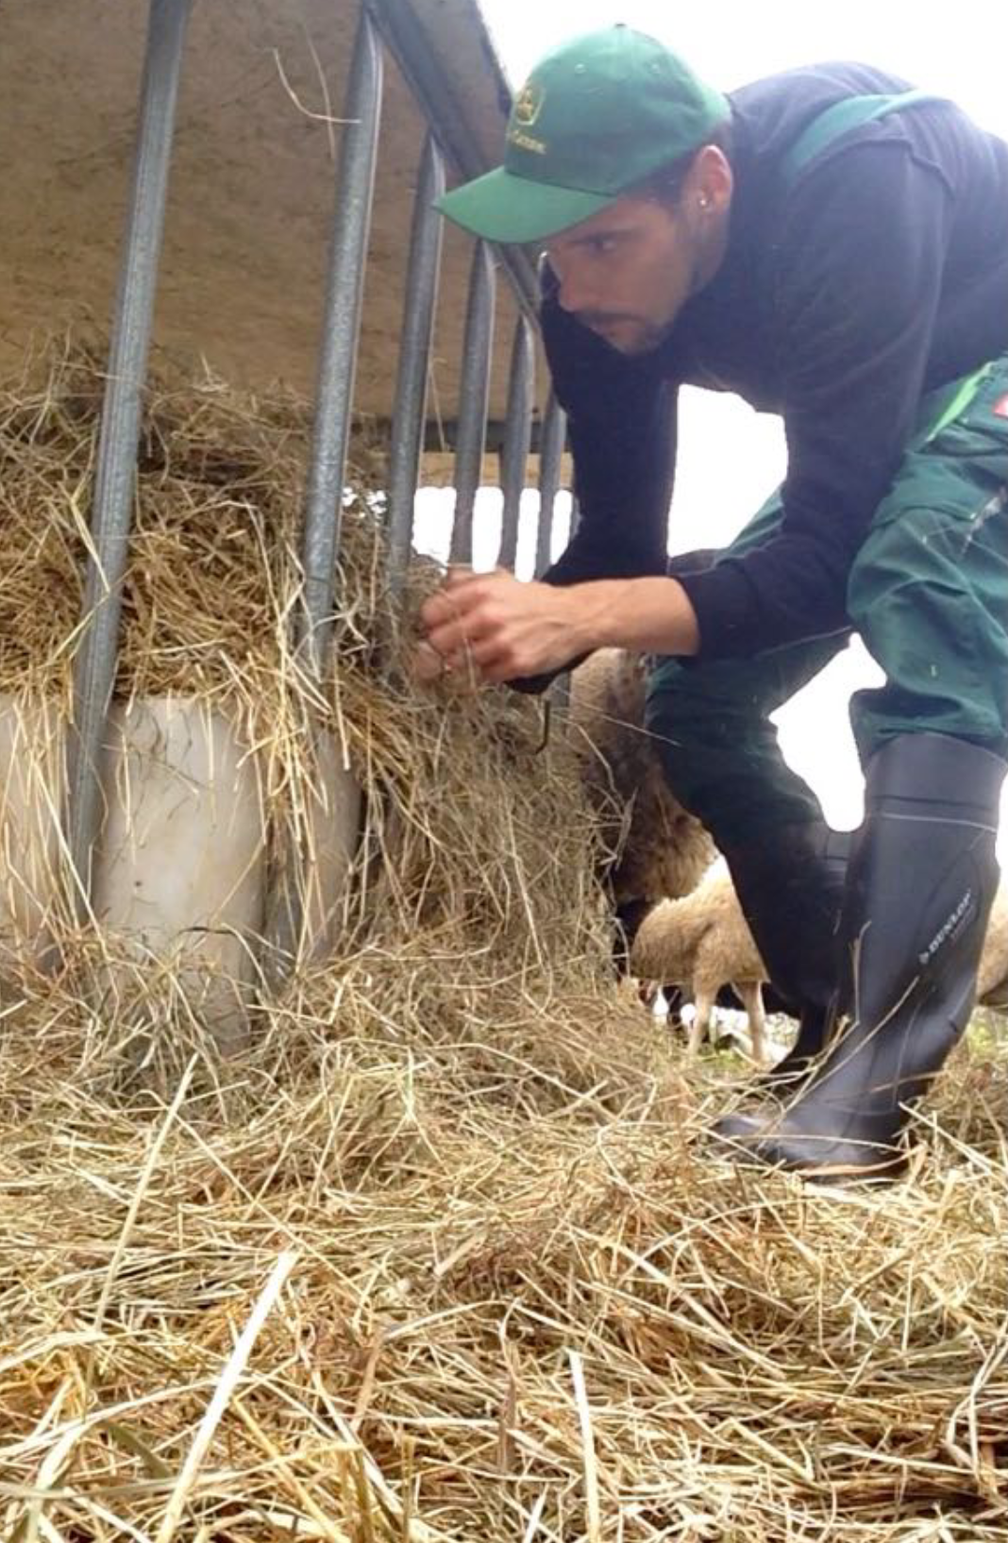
(524, 115)
(528, 105)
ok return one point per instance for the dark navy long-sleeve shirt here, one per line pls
(847, 292)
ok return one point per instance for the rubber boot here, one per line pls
(920, 885)
(790, 892)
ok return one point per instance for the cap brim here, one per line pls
(503, 207)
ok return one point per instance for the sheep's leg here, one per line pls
(751, 993)
(646, 992)
(699, 1028)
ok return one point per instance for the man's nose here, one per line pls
(572, 295)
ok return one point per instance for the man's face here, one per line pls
(627, 272)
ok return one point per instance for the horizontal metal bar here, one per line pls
(441, 436)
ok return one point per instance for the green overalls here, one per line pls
(928, 592)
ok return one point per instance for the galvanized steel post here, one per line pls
(474, 397)
(551, 443)
(338, 359)
(414, 359)
(95, 668)
(517, 439)
(355, 177)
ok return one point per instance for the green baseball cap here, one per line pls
(596, 116)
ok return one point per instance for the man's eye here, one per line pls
(603, 244)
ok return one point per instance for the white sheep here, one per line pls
(992, 976)
(703, 942)
(653, 849)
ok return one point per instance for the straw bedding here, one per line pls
(438, 1256)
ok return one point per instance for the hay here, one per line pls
(437, 1257)
(212, 576)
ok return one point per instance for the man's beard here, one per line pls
(643, 339)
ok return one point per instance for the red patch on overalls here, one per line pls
(1001, 407)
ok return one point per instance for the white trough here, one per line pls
(182, 866)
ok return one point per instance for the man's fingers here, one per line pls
(446, 639)
(427, 664)
(459, 577)
(466, 622)
(457, 634)
(451, 603)
(437, 609)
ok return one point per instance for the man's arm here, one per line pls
(504, 630)
(621, 431)
(611, 587)
(622, 438)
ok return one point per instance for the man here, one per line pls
(833, 248)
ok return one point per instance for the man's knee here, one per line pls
(719, 750)
(932, 618)
(677, 717)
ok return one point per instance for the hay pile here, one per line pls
(437, 1258)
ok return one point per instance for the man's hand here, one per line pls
(497, 628)
(491, 627)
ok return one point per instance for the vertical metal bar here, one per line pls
(560, 691)
(474, 398)
(554, 432)
(414, 359)
(355, 176)
(517, 438)
(337, 367)
(94, 673)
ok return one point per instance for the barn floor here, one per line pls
(417, 1269)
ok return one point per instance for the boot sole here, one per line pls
(754, 1149)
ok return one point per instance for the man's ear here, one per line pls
(710, 180)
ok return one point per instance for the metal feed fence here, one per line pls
(385, 27)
